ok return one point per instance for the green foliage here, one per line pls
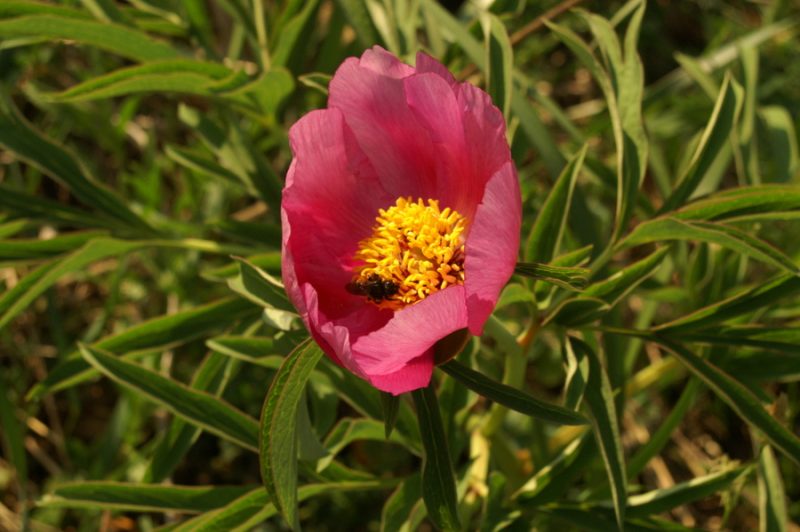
(640, 371)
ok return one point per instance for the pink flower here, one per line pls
(401, 216)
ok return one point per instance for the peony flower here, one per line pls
(401, 216)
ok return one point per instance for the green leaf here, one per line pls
(568, 277)
(438, 479)
(21, 204)
(739, 398)
(165, 76)
(113, 38)
(661, 436)
(715, 137)
(742, 201)
(617, 286)
(290, 36)
(404, 509)
(21, 139)
(499, 62)
(545, 236)
(511, 397)
(669, 228)
(599, 397)
(746, 301)
(772, 512)
(601, 296)
(781, 142)
(141, 497)
(623, 87)
(212, 376)
(47, 275)
(254, 508)
(260, 287)
(356, 13)
(196, 407)
(391, 407)
(32, 249)
(255, 350)
(161, 332)
(552, 481)
(664, 500)
(278, 441)
(348, 430)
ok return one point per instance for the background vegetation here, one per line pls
(143, 145)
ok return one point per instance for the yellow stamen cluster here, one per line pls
(416, 247)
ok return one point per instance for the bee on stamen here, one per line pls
(375, 288)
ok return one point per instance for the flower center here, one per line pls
(415, 249)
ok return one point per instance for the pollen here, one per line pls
(416, 249)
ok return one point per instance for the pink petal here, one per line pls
(484, 131)
(397, 145)
(383, 62)
(413, 376)
(492, 245)
(434, 105)
(329, 204)
(426, 63)
(411, 332)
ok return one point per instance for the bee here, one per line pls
(375, 288)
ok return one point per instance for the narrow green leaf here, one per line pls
(739, 398)
(746, 301)
(781, 134)
(499, 62)
(36, 248)
(623, 87)
(254, 507)
(438, 479)
(511, 397)
(545, 236)
(278, 437)
(552, 481)
(113, 38)
(571, 278)
(160, 332)
(141, 497)
(255, 350)
(349, 430)
(742, 201)
(772, 512)
(356, 13)
(196, 407)
(599, 397)
(21, 139)
(21, 204)
(211, 377)
(290, 36)
(46, 276)
(661, 436)
(617, 286)
(165, 76)
(661, 229)
(663, 500)
(404, 508)
(720, 125)
(391, 407)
